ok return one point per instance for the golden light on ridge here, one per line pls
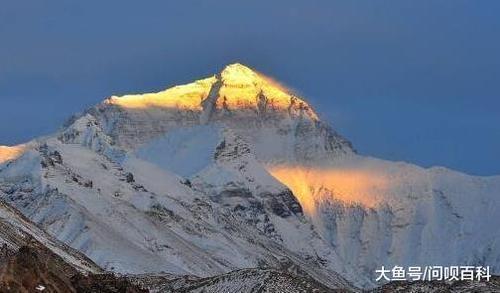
(186, 97)
(315, 185)
(241, 89)
(10, 153)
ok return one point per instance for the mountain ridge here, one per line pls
(237, 85)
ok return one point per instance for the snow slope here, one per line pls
(17, 231)
(135, 217)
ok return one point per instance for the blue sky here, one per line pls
(416, 81)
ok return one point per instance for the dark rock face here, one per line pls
(35, 267)
(285, 204)
(104, 283)
(129, 177)
(26, 270)
(244, 281)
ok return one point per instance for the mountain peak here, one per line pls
(238, 67)
(237, 87)
(239, 73)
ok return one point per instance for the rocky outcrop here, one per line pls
(244, 281)
(35, 269)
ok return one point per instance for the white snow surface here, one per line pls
(184, 151)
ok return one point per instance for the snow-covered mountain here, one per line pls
(234, 171)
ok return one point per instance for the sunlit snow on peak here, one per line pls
(242, 88)
(239, 74)
(183, 97)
